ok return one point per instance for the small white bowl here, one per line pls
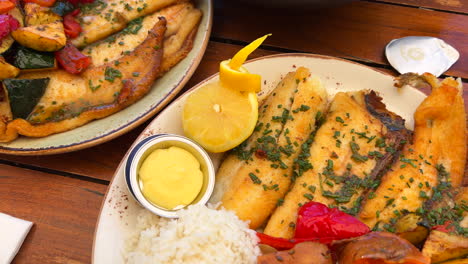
(162, 141)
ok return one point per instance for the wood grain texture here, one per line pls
(449, 5)
(359, 30)
(64, 212)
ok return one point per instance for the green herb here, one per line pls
(254, 178)
(111, 73)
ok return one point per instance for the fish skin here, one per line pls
(440, 139)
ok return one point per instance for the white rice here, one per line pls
(199, 235)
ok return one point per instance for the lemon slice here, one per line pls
(219, 118)
(234, 76)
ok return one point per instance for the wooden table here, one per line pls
(62, 194)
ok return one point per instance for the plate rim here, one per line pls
(119, 131)
(143, 134)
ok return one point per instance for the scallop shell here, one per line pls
(420, 55)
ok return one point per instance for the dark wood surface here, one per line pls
(62, 193)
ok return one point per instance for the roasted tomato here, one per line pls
(379, 248)
(303, 253)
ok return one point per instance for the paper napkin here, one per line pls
(13, 231)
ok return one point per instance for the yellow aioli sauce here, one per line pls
(171, 178)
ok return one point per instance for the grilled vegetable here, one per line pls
(303, 253)
(409, 228)
(72, 60)
(7, 41)
(7, 70)
(47, 37)
(29, 59)
(24, 95)
(39, 15)
(449, 239)
(62, 8)
(379, 248)
(6, 5)
(441, 246)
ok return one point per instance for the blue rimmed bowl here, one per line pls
(162, 141)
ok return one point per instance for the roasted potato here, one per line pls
(7, 70)
(39, 15)
(303, 253)
(47, 37)
(441, 246)
(378, 247)
(408, 227)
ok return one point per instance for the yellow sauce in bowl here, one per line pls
(171, 178)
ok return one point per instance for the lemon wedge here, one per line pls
(221, 115)
(219, 118)
(234, 76)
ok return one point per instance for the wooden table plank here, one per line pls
(64, 212)
(460, 6)
(100, 162)
(359, 30)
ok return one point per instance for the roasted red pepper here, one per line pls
(72, 27)
(6, 5)
(283, 244)
(7, 25)
(72, 60)
(41, 2)
(316, 220)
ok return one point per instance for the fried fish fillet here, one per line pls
(439, 144)
(182, 20)
(73, 100)
(255, 176)
(341, 171)
(102, 18)
(77, 103)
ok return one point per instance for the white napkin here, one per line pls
(13, 231)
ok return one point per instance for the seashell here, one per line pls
(420, 55)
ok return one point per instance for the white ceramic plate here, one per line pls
(119, 210)
(100, 131)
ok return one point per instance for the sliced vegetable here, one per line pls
(62, 8)
(7, 70)
(41, 2)
(7, 24)
(316, 220)
(29, 59)
(442, 246)
(48, 37)
(72, 60)
(307, 252)
(5, 6)
(72, 27)
(7, 41)
(236, 77)
(38, 15)
(282, 243)
(379, 248)
(408, 227)
(24, 94)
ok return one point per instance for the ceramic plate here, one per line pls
(100, 131)
(119, 210)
